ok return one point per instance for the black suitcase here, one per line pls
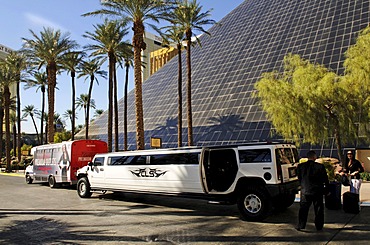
(334, 200)
(351, 202)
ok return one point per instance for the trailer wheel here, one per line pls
(253, 204)
(29, 180)
(83, 188)
(52, 182)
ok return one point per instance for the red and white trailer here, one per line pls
(58, 163)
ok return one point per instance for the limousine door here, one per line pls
(97, 174)
(218, 168)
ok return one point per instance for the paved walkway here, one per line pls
(340, 227)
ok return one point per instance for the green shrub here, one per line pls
(331, 171)
(365, 176)
(26, 149)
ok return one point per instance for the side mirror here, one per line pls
(91, 164)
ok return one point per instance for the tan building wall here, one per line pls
(153, 43)
(4, 51)
(160, 57)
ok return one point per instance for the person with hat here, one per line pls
(353, 168)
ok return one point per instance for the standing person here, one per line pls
(353, 167)
(314, 182)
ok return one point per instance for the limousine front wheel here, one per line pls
(253, 204)
(83, 188)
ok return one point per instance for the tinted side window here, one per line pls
(137, 160)
(284, 156)
(179, 158)
(120, 160)
(254, 155)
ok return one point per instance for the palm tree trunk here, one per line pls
(125, 109)
(188, 93)
(51, 73)
(92, 78)
(7, 128)
(1, 123)
(73, 119)
(34, 124)
(19, 153)
(116, 148)
(110, 102)
(14, 140)
(46, 132)
(139, 45)
(338, 140)
(42, 115)
(179, 100)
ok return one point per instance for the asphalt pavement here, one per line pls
(199, 228)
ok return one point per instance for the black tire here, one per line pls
(83, 188)
(29, 180)
(283, 202)
(52, 182)
(254, 204)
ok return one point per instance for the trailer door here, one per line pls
(218, 169)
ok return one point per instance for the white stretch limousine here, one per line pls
(257, 177)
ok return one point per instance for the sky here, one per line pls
(18, 17)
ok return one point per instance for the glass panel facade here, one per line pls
(250, 40)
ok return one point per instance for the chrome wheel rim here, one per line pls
(252, 203)
(82, 188)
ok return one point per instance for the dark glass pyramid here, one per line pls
(251, 40)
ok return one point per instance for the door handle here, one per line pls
(101, 169)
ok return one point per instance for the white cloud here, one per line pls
(41, 22)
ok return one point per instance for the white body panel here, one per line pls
(166, 178)
(184, 178)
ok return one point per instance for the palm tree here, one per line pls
(72, 116)
(13, 122)
(40, 82)
(128, 60)
(48, 49)
(189, 17)
(44, 118)
(90, 69)
(71, 60)
(174, 34)
(1, 120)
(29, 110)
(108, 38)
(18, 61)
(86, 103)
(58, 121)
(8, 76)
(137, 12)
(98, 113)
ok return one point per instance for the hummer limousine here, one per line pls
(257, 177)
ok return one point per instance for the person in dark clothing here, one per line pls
(314, 182)
(353, 167)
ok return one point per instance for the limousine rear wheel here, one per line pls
(83, 188)
(253, 204)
